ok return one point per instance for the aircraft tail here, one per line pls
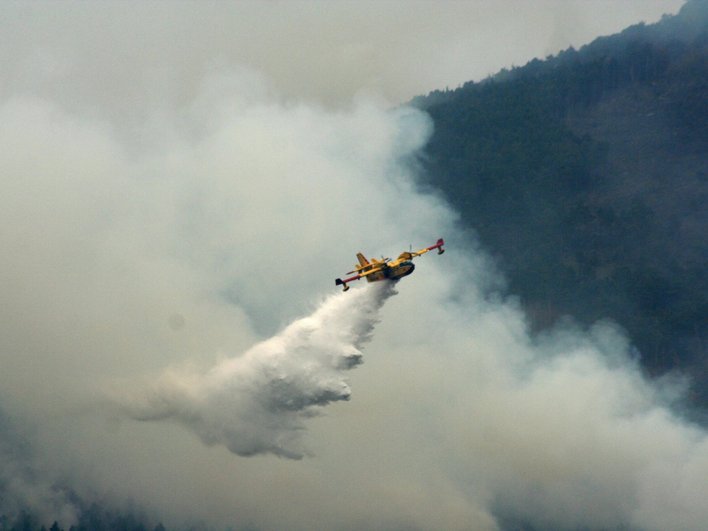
(362, 259)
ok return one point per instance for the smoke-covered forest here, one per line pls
(93, 518)
(586, 176)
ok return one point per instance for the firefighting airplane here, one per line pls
(386, 269)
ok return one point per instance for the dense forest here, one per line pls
(586, 176)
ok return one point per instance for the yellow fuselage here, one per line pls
(392, 272)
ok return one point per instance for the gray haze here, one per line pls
(322, 51)
(181, 184)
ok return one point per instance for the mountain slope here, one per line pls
(587, 176)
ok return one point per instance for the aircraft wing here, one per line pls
(375, 269)
(438, 246)
(340, 282)
(409, 255)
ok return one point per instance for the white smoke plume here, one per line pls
(164, 206)
(257, 403)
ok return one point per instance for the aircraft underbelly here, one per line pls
(374, 277)
(402, 270)
(392, 273)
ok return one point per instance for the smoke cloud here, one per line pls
(165, 222)
(256, 403)
(24, 486)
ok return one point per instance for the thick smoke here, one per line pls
(256, 403)
(24, 486)
(169, 209)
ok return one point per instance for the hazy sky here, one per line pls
(180, 183)
(326, 51)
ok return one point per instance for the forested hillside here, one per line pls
(586, 175)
